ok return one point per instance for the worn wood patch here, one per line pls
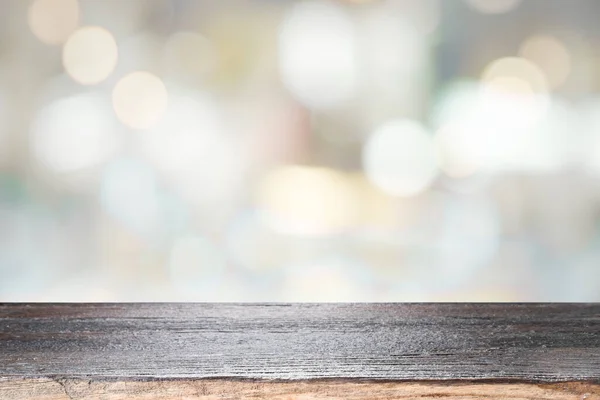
(75, 389)
(299, 351)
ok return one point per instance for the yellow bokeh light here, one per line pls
(516, 75)
(90, 55)
(140, 100)
(52, 21)
(308, 200)
(550, 55)
(493, 6)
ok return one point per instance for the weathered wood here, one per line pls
(71, 389)
(299, 351)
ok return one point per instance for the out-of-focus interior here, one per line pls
(393, 150)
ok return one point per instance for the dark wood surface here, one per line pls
(524, 342)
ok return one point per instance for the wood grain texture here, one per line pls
(409, 342)
(76, 389)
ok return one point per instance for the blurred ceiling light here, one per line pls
(90, 55)
(493, 6)
(399, 158)
(190, 54)
(129, 193)
(551, 55)
(317, 57)
(52, 21)
(195, 263)
(140, 100)
(308, 200)
(74, 133)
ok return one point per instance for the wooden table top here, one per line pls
(408, 342)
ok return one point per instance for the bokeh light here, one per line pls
(140, 99)
(307, 200)
(52, 21)
(514, 74)
(458, 152)
(551, 55)
(301, 150)
(317, 54)
(90, 55)
(74, 133)
(192, 147)
(493, 6)
(399, 158)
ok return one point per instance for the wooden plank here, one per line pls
(394, 350)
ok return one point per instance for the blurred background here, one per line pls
(392, 150)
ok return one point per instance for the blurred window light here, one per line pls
(308, 200)
(74, 133)
(399, 158)
(129, 193)
(551, 55)
(317, 57)
(52, 21)
(189, 54)
(493, 6)
(90, 55)
(140, 100)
